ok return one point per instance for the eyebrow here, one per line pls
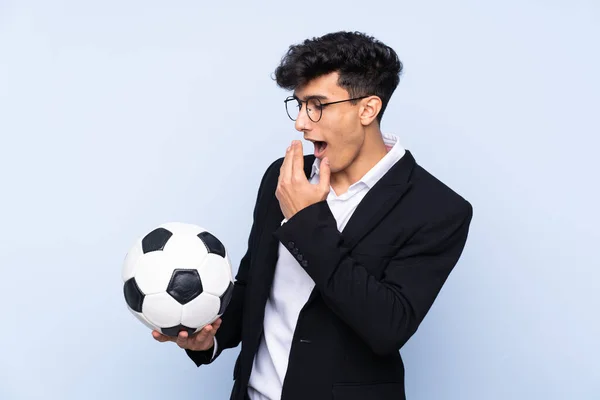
(313, 96)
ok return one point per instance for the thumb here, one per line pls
(324, 175)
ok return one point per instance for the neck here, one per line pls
(371, 152)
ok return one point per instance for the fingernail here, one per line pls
(289, 148)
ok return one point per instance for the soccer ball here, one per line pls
(177, 277)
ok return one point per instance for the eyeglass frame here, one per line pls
(290, 98)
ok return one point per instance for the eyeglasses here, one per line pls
(314, 107)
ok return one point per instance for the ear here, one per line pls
(369, 110)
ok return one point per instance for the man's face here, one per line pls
(339, 133)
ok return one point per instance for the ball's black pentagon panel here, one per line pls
(133, 295)
(225, 298)
(213, 245)
(185, 285)
(156, 240)
(174, 330)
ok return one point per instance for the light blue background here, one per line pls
(117, 116)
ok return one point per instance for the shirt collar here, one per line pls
(395, 153)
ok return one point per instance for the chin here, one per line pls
(333, 167)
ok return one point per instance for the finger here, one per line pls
(182, 339)
(202, 334)
(286, 167)
(159, 336)
(208, 329)
(210, 335)
(214, 327)
(298, 160)
(324, 175)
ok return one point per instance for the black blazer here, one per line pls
(374, 283)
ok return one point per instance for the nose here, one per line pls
(302, 122)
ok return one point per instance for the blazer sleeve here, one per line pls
(229, 333)
(385, 313)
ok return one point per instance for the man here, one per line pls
(349, 247)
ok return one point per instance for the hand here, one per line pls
(294, 191)
(199, 341)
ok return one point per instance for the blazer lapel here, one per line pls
(379, 201)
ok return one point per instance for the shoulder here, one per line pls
(436, 200)
(272, 171)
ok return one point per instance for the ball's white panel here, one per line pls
(143, 319)
(182, 227)
(162, 310)
(153, 272)
(200, 311)
(185, 251)
(215, 274)
(131, 260)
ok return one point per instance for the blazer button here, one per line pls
(294, 251)
(291, 244)
(299, 257)
(304, 263)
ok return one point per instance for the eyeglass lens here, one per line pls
(313, 108)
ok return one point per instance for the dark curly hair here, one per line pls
(366, 66)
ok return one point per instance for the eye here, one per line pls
(314, 105)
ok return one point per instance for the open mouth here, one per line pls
(319, 148)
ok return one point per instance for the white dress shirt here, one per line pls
(292, 285)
